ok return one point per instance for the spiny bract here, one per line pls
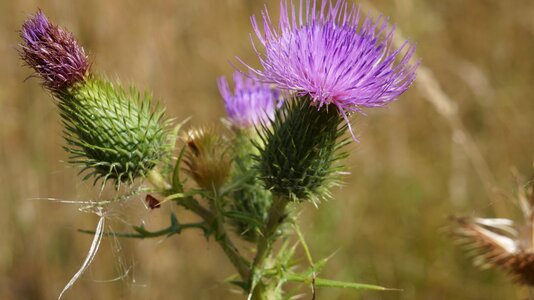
(250, 202)
(111, 132)
(299, 159)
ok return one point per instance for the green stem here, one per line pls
(143, 233)
(277, 214)
(213, 217)
(275, 218)
(240, 263)
(192, 204)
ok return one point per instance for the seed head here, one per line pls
(499, 243)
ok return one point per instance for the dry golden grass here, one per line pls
(447, 147)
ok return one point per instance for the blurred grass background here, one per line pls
(387, 225)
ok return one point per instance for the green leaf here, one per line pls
(176, 196)
(318, 266)
(241, 216)
(174, 221)
(181, 196)
(142, 233)
(320, 282)
(238, 182)
(173, 137)
(286, 255)
(176, 182)
(242, 284)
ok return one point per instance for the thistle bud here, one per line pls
(207, 158)
(111, 132)
(53, 53)
(301, 150)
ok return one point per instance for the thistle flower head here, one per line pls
(53, 53)
(322, 50)
(251, 103)
(207, 158)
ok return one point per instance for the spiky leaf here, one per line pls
(250, 201)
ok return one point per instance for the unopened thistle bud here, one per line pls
(301, 152)
(111, 133)
(207, 158)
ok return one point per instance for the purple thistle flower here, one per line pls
(53, 53)
(251, 103)
(326, 54)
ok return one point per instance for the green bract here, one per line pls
(299, 159)
(112, 133)
(250, 202)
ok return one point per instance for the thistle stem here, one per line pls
(221, 236)
(144, 234)
(277, 214)
(191, 204)
(212, 217)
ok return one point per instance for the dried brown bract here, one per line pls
(500, 243)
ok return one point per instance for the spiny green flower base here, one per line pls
(112, 133)
(302, 148)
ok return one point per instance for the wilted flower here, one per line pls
(328, 55)
(207, 158)
(251, 103)
(498, 243)
(53, 53)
